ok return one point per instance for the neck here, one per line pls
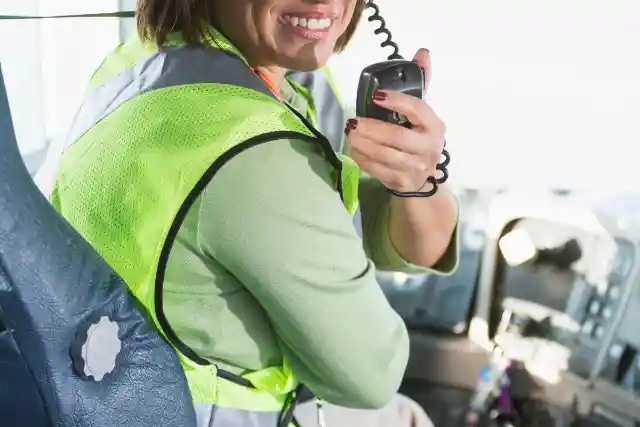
(274, 74)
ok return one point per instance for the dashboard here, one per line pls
(564, 306)
(570, 312)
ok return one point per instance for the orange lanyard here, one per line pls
(267, 81)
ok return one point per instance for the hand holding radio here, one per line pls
(402, 153)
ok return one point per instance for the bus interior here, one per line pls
(544, 300)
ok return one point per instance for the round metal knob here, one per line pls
(96, 348)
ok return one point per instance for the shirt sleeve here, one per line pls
(375, 202)
(275, 221)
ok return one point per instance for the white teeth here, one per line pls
(317, 24)
(312, 24)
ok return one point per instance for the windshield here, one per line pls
(542, 93)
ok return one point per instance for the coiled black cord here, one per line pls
(442, 166)
(382, 29)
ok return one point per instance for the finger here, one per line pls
(382, 173)
(423, 59)
(372, 132)
(390, 177)
(379, 153)
(419, 113)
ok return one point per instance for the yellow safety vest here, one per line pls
(154, 128)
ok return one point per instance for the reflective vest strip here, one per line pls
(163, 69)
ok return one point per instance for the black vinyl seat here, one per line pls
(76, 348)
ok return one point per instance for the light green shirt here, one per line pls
(268, 264)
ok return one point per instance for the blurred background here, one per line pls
(542, 101)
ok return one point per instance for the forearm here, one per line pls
(421, 229)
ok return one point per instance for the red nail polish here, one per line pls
(352, 124)
(379, 95)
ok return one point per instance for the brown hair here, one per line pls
(157, 19)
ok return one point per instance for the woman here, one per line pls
(227, 214)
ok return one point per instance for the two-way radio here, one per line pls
(399, 75)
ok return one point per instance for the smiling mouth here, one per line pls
(313, 24)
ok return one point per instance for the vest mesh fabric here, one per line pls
(122, 183)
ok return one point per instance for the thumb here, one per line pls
(423, 59)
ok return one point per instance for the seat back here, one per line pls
(76, 348)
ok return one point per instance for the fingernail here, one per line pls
(379, 95)
(425, 49)
(352, 124)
